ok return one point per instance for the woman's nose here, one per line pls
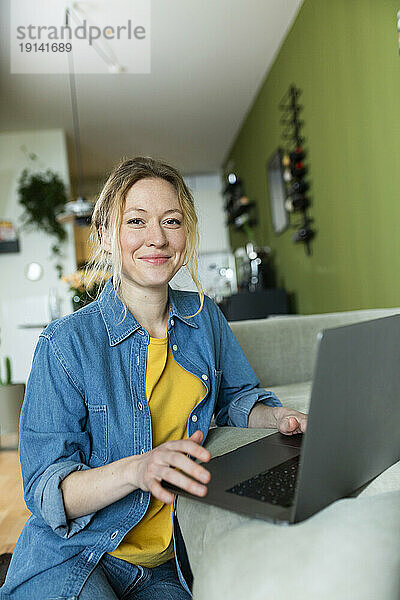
(155, 235)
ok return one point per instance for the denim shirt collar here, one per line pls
(119, 328)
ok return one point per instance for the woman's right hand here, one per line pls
(162, 463)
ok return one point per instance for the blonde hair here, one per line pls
(108, 211)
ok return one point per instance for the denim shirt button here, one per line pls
(141, 332)
(172, 322)
(140, 406)
(204, 377)
(142, 451)
(174, 347)
(114, 534)
(194, 418)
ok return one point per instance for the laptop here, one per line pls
(351, 435)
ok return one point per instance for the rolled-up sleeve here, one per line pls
(240, 389)
(53, 440)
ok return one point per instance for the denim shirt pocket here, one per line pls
(98, 429)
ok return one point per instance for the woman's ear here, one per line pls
(105, 239)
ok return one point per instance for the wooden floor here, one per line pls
(13, 512)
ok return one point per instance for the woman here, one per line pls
(120, 393)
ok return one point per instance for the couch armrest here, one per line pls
(349, 551)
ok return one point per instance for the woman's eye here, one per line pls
(135, 221)
(173, 222)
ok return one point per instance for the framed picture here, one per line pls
(277, 192)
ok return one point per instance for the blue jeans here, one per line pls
(116, 579)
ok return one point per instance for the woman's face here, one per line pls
(152, 234)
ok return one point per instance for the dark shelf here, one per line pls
(9, 246)
(255, 305)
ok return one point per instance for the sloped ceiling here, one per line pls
(208, 59)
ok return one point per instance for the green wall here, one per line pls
(343, 54)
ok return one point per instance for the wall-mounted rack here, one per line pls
(240, 211)
(295, 169)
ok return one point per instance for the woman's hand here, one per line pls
(162, 463)
(290, 421)
(286, 420)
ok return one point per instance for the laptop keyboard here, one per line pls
(276, 486)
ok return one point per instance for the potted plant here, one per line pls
(43, 196)
(11, 398)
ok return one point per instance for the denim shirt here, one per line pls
(85, 406)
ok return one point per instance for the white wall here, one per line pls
(25, 302)
(209, 205)
(215, 252)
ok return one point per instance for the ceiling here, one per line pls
(208, 60)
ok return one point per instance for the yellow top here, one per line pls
(172, 393)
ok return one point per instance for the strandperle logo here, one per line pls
(81, 32)
(54, 36)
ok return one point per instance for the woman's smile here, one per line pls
(155, 260)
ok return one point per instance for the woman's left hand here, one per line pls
(290, 421)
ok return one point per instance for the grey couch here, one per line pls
(350, 550)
